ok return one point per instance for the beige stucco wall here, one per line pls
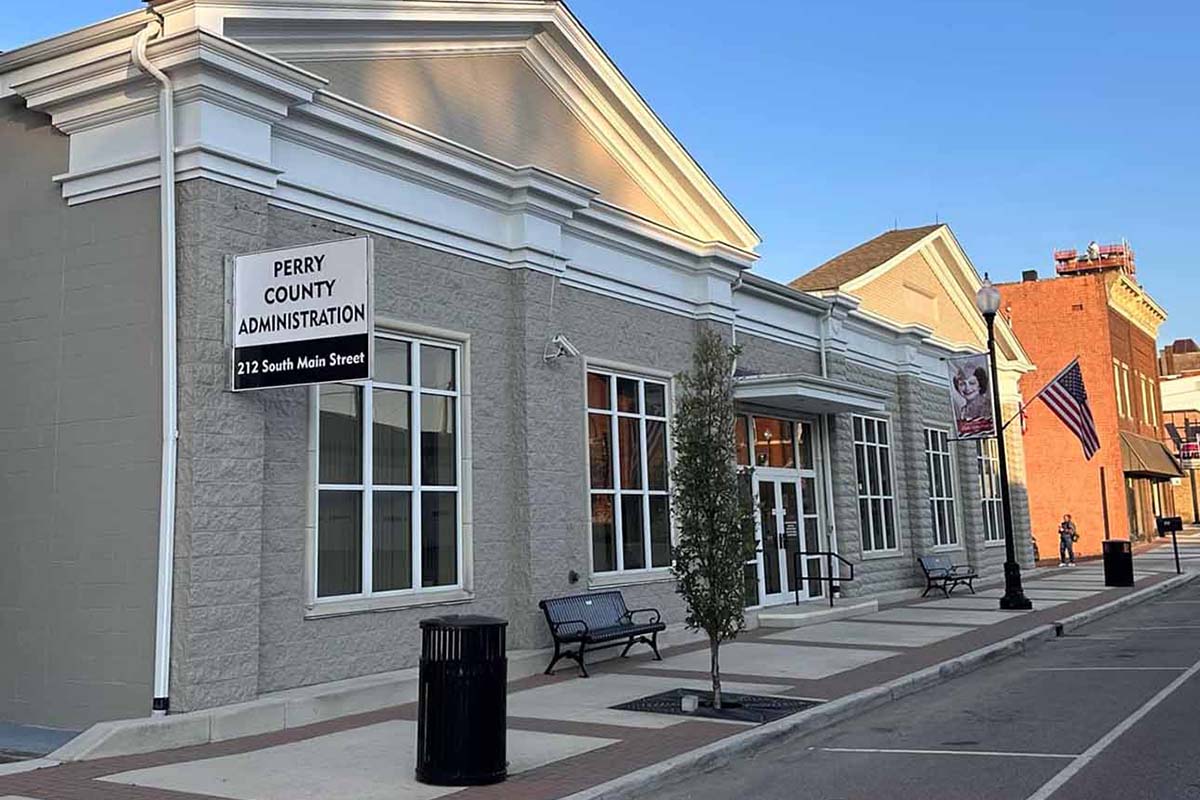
(910, 293)
(495, 104)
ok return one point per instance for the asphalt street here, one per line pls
(1111, 710)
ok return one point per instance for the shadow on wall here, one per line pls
(495, 104)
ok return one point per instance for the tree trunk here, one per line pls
(715, 648)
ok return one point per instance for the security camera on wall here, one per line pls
(560, 346)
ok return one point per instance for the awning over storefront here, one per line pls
(807, 394)
(1142, 457)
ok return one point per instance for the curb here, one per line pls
(637, 784)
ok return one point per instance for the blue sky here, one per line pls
(1025, 125)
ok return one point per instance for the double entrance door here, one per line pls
(788, 524)
(788, 521)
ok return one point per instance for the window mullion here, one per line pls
(314, 399)
(860, 456)
(933, 506)
(458, 467)
(645, 498)
(615, 432)
(368, 480)
(879, 484)
(415, 513)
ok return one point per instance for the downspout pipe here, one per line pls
(831, 525)
(824, 333)
(733, 290)
(170, 391)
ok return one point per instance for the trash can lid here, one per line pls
(463, 621)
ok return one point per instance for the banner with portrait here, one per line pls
(971, 396)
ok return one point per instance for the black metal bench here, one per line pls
(942, 573)
(595, 621)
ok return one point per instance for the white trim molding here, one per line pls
(249, 119)
(545, 34)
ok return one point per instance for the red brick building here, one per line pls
(1094, 309)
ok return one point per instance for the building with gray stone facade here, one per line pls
(170, 539)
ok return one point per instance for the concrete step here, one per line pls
(805, 615)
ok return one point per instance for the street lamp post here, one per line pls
(987, 300)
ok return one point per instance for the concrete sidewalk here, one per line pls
(566, 738)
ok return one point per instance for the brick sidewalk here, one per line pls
(627, 743)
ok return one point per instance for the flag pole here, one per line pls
(1021, 408)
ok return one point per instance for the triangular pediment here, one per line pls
(912, 293)
(496, 104)
(518, 80)
(916, 276)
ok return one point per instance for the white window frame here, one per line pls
(866, 525)
(1117, 387)
(944, 454)
(1125, 390)
(615, 373)
(1148, 405)
(416, 594)
(1145, 403)
(991, 501)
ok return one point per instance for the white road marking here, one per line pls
(912, 752)
(1104, 669)
(1180, 602)
(1100, 637)
(1162, 628)
(1085, 758)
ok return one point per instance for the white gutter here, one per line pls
(170, 400)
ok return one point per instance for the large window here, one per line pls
(627, 472)
(876, 502)
(989, 490)
(388, 502)
(941, 487)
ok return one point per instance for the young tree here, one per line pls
(715, 518)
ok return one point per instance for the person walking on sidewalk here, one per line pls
(1067, 534)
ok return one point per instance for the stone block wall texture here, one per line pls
(226, 495)
(244, 479)
(80, 441)
(912, 406)
(89, 430)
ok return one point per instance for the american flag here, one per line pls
(1068, 399)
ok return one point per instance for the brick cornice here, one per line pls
(1133, 303)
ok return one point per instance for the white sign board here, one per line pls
(971, 397)
(302, 315)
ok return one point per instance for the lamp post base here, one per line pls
(1014, 598)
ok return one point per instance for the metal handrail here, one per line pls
(827, 577)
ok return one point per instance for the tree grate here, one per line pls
(756, 708)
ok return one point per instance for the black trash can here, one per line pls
(462, 701)
(1118, 562)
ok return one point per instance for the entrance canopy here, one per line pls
(1142, 457)
(807, 394)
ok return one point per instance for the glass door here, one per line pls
(810, 512)
(786, 496)
(792, 533)
(779, 535)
